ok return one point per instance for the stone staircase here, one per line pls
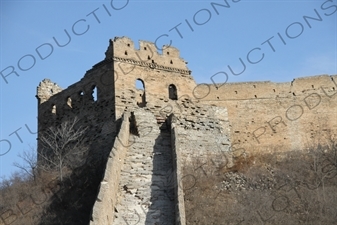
(146, 191)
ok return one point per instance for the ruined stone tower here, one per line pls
(139, 139)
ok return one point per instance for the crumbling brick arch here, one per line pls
(173, 94)
(140, 92)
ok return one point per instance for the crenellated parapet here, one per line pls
(122, 49)
(302, 86)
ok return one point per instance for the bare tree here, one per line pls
(62, 146)
(29, 164)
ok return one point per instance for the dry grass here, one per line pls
(289, 188)
(47, 200)
(23, 200)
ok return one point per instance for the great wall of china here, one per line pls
(174, 122)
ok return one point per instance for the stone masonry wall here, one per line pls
(267, 116)
(211, 146)
(104, 207)
(196, 123)
(156, 71)
(95, 112)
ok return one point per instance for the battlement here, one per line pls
(122, 48)
(267, 89)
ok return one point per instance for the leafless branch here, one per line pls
(61, 144)
(30, 162)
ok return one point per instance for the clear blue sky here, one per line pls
(221, 35)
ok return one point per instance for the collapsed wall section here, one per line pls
(203, 130)
(91, 101)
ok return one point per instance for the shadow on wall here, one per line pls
(162, 208)
(73, 199)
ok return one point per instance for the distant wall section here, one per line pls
(277, 116)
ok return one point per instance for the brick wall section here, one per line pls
(204, 138)
(267, 116)
(103, 210)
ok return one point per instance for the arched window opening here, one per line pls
(69, 102)
(139, 85)
(94, 93)
(173, 92)
(140, 90)
(81, 93)
(53, 109)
